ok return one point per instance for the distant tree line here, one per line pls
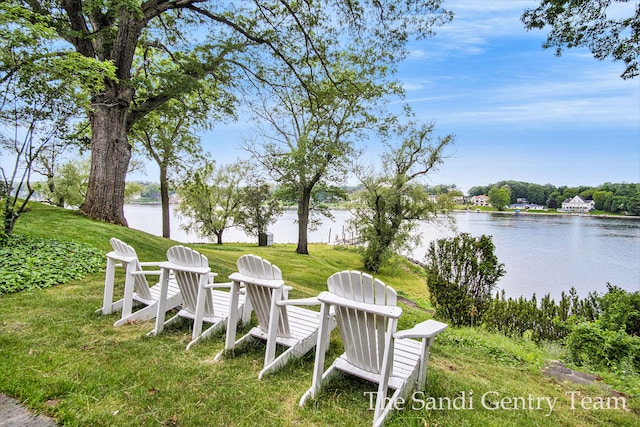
(609, 197)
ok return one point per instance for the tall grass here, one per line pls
(61, 358)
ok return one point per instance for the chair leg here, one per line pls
(218, 326)
(232, 325)
(242, 340)
(294, 352)
(424, 362)
(108, 305)
(127, 306)
(379, 419)
(145, 313)
(327, 322)
(314, 390)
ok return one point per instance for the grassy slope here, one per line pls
(61, 358)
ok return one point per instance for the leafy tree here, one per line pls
(233, 36)
(555, 200)
(618, 204)
(210, 199)
(47, 166)
(151, 191)
(258, 209)
(386, 211)
(462, 272)
(41, 91)
(499, 198)
(591, 24)
(601, 197)
(312, 137)
(36, 109)
(69, 184)
(535, 194)
(167, 133)
(132, 190)
(168, 140)
(633, 206)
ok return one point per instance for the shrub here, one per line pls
(462, 272)
(590, 345)
(28, 263)
(620, 310)
(548, 321)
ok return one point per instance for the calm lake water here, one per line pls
(542, 254)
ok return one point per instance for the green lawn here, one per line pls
(60, 358)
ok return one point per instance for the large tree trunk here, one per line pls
(110, 155)
(262, 239)
(303, 221)
(164, 198)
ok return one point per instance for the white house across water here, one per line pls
(578, 204)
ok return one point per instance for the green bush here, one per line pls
(462, 272)
(547, 321)
(28, 263)
(589, 344)
(620, 310)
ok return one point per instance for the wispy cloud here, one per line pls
(474, 25)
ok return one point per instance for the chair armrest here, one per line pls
(177, 267)
(226, 285)
(427, 329)
(299, 301)
(384, 310)
(272, 283)
(150, 263)
(147, 272)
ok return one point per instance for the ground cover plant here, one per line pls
(61, 358)
(28, 263)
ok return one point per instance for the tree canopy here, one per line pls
(608, 28)
(181, 43)
(392, 201)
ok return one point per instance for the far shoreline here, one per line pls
(469, 209)
(543, 213)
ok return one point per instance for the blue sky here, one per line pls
(518, 112)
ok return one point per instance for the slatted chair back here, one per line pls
(281, 321)
(262, 295)
(363, 333)
(124, 252)
(366, 313)
(189, 281)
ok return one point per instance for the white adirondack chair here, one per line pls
(367, 317)
(280, 321)
(200, 302)
(137, 291)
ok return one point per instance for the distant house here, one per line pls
(459, 200)
(526, 206)
(578, 204)
(480, 200)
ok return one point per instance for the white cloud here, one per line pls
(475, 24)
